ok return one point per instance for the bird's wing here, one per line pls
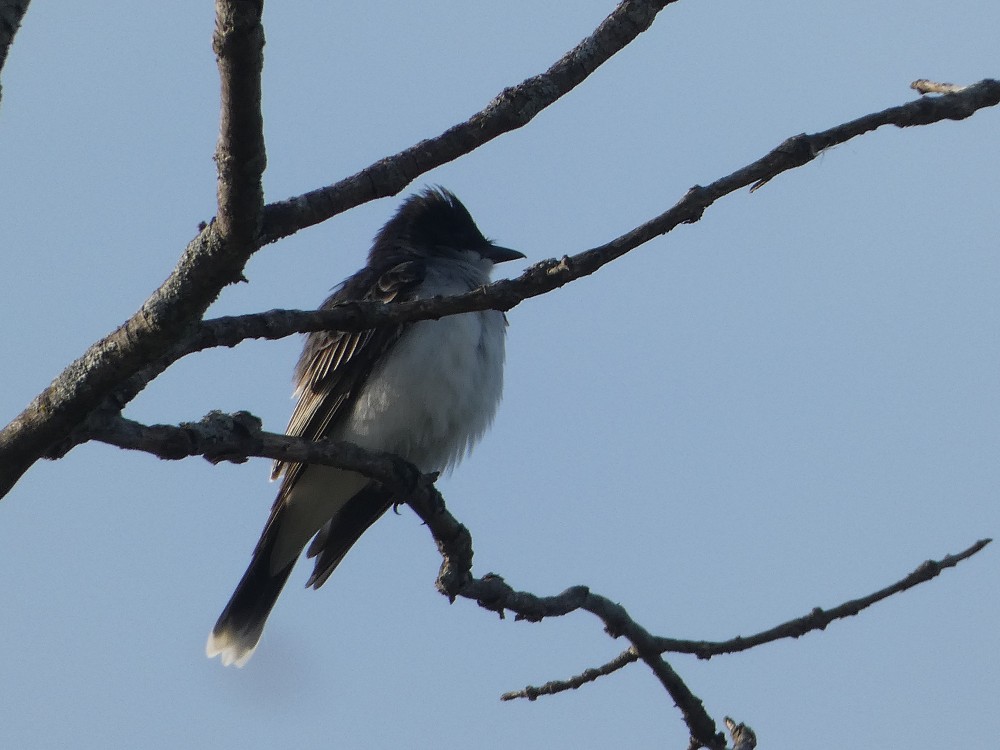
(335, 364)
(340, 533)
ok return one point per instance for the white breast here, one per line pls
(438, 389)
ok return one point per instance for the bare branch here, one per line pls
(240, 158)
(215, 258)
(11, 13)
(211, 261)
(548, 275)
(494, 594)
(219, 437)
(84, 402)
(802, 149)
(626, 657)
(235, 437)
(512, 108)
(817, 619)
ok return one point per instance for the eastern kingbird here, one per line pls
(426, 391)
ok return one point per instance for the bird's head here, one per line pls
(434, 223)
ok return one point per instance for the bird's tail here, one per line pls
(234, 637)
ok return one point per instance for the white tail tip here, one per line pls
(230, 648)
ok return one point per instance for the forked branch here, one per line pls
(235, 437)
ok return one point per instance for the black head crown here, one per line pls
(434, 222)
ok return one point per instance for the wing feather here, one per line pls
(335, 365)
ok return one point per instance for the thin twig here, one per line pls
(626, 657)
(817, 619)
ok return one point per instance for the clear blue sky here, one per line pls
(789, 404)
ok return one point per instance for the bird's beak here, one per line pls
(499, 254)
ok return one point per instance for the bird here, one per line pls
(425, 390)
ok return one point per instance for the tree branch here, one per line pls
(493, 593)
(215, 259)
(169, 325)
(548, 275)
(235, 437)
(817, 619)
(240, 157)
(210, 262)
(11, 13)
(512, 108)
(149, 339)
(219, 437)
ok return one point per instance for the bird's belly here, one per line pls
(436, 392)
